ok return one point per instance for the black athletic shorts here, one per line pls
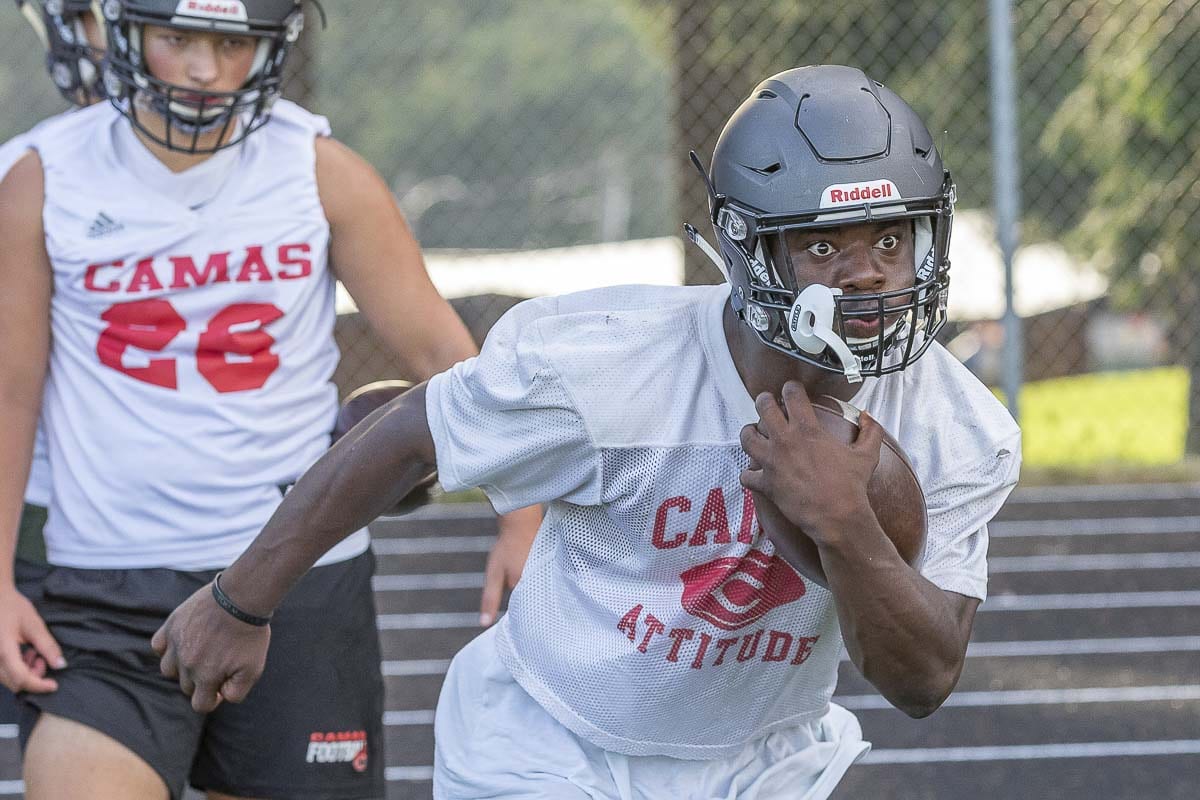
(311, 728)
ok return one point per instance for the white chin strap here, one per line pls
(695, 238)
(810, 321)
(810, 324)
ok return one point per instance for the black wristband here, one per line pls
(224, 602)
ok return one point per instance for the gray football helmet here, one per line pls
(276, 24)
(73, 64)
(819, 147)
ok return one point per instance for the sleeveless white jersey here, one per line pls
(193, 343)
(37, 489)
(653, 616)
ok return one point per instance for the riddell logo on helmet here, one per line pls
(842, 194)
(233, 10)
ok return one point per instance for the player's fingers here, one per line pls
(236, 687)
(754, 480)
(797, 404)
(870, 435)
(38, 635)
(35, 663)
(770, 415)
(16, 676)
(754, 443)
(158, 642)
(205, 698)
(169, 663)
(187, 683)
(493, 589)
(10, 659)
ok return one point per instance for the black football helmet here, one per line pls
(276, 24)
(73, 64)
(820, 147)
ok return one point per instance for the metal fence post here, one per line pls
(1006, 184)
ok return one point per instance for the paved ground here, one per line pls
(1083, 680)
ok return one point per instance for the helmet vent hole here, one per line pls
(770, 169)
(767, 94)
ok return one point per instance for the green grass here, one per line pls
(1122, 421)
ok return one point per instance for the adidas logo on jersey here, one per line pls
(103, 225)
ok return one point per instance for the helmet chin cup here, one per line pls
(810, 324)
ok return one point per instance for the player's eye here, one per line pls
(235, 44)
(820, 249)
(888, 242)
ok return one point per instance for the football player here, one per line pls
(181, 244)
(659, 645)
(73, 39)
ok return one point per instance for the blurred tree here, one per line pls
(26, 93)
(1128, 134)
(518, 124)
(931, 52)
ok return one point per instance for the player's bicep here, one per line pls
(378, 260)
(25, 285)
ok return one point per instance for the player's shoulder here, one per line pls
(15, 148)
(289, 117)
(12, 151)
(615, 320)
(70, 127)
(950, 413)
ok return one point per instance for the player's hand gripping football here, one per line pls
(214, 656)
(22, 627)
(816, 482)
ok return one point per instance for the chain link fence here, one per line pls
(540, 146)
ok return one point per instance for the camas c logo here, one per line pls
(734, 592)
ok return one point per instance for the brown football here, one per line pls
(357, 406)
(894, 494)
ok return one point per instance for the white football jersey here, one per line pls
(37, 490)
(653, 616)
(193, 343)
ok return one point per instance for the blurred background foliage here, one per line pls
(529, 124)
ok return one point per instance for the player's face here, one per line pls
(201, 60)
(865, 258)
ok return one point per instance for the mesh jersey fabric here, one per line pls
(653, 617)
(190, 372)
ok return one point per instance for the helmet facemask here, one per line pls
(194, 121)
(770, 156)
(71, 60)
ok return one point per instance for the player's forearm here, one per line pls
(364, 474)
(903, 633)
